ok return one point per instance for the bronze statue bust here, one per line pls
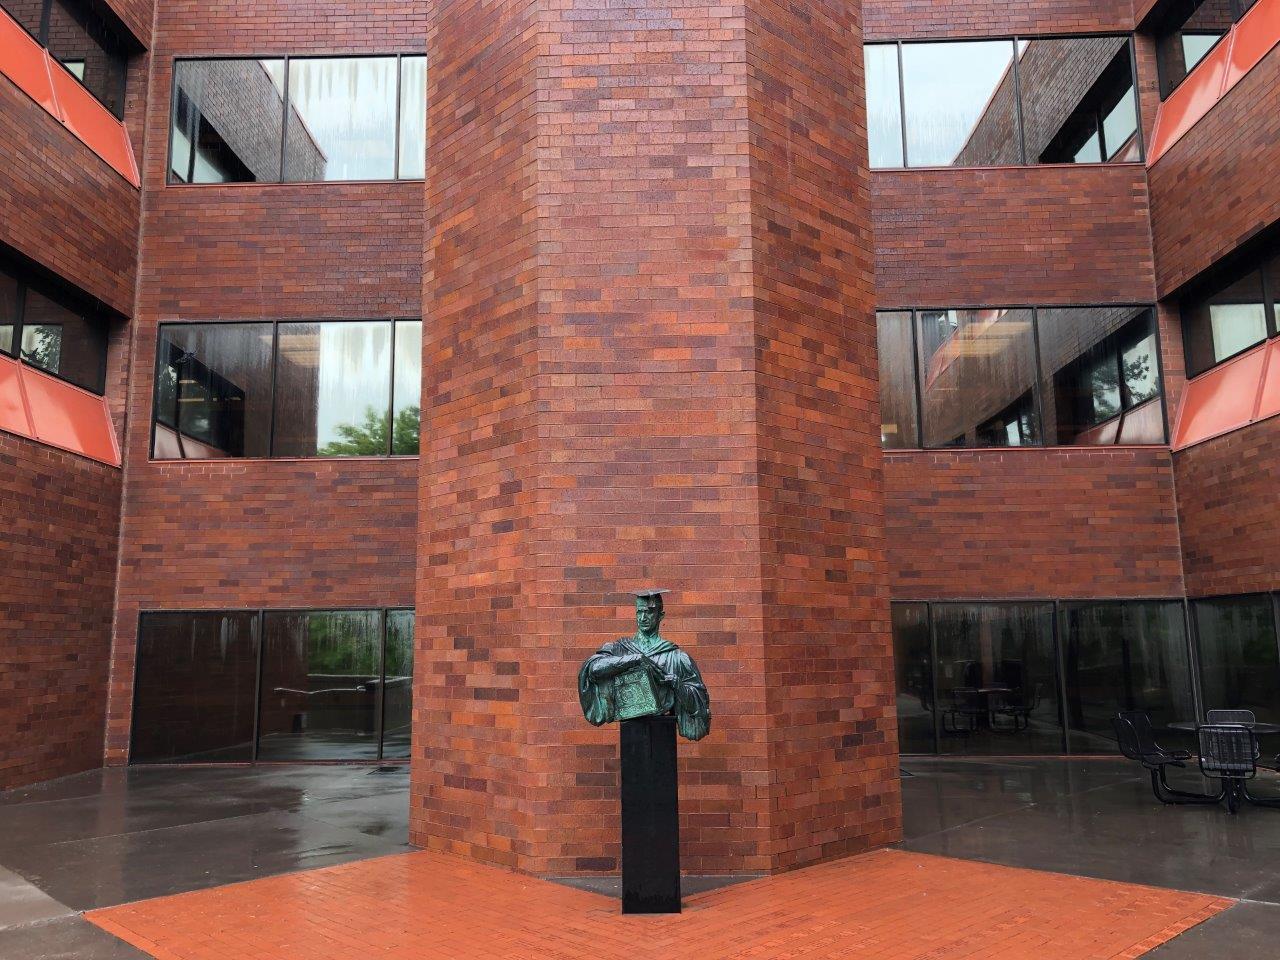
(644, 675)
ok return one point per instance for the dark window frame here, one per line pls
(275, 354)
(120, 48)
(1170, 25)
(260, 614)
(1058, 604)
(1015, 39)
(285, 59)
(90, 317)
(1256, 262)
(1037, 391)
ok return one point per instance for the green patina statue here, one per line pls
(644, 676)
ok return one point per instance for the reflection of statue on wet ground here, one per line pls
(644, 675)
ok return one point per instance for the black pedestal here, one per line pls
(650, 817)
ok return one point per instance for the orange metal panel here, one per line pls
(1269, 396)
(1255, 35)
(13, 407)
(93, 123)
(1222, 400)
(1192, 100)
(23, 61)
(68, 417)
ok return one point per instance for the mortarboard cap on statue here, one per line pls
(650, 593)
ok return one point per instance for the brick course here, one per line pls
(1230, 512)
(930, 19)
(60, 514)
(1214, 189)
(1002, 524)
(87, 227)
(1038, 235)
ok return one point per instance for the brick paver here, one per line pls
(887, 905)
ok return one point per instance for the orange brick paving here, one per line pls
(887, 905)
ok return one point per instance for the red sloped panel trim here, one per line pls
(67, 417)
(13, 406)
(1224, 399)
(1239, 51)
(1269, 395)
(49, 84)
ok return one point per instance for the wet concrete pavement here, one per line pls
(115, 836)
(111, 837)
(1097, 818)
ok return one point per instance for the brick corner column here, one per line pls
(649, 357)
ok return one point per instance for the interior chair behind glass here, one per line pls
(1242, 717)
(1229, 753)
(1137, 742)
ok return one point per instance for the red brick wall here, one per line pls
(60, 514)
(1009, 236)
(477, 607)
(324, 533)
(1215, 188)
(136, 15)
(925, 19)
(601, 355)
(1032, 523)
(1230, 511)
(830, 709)
(62, 206)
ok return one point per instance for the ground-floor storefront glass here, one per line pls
(1038, 677)
(232, 686)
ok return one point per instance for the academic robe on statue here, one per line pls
(687, 696)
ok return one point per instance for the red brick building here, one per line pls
(356, 360)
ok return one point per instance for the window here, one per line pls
(1236, 639)
(50, 335)
(913, 668)
(977, 378)
(1124, 656)
(273, 685)
(985, 375)
(1037, 677)
(84, 41)
(1101, 381)
(1188, 31)
(978, 103)
(1228, 313)
(298, 119)
(287, 389)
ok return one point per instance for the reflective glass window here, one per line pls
(997, 678)
(333, 389)
(9, 299)
(63, 342)
(977, 378)
(1128, 655)
(413, 118)
(913, 668)
(1098, 363)
(961, 103)
(1239, 658)
(1188, 31)
(227, 117)
(213, 391)
(321, 681)
(342, 119)
(85, 44)
(897, 380)
(194, 687)
(1226, 320)
(1078, 100)
(397, 712)
(407, 388)
(884, 105)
